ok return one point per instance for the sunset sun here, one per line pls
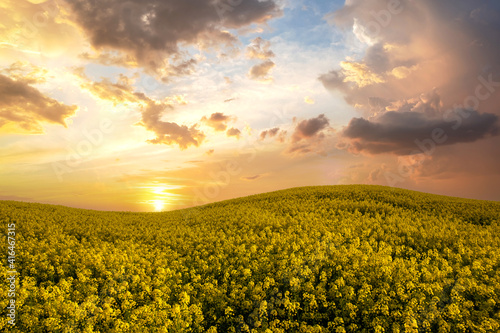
(159, 205)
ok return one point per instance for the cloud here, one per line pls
(271, 133)
(377, 174)
(26, 72)
(404, 133)
(151, 32)
(252, 178)
(260, 71)
(427, 85)
(36, 29)
(309, 100)
(23, 108)
(218, 121)
(152, 110)
(109, 59)
(259, 49)
(276, 133)
(163, 68)
(360, 74)
(118, 92)
(310, 128)
(169, 133)
(415, 47)
(233, 132)
(308, 135)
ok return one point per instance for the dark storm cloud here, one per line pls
(150, 31)
(416, 46)
(310, 128)
(26, 107)
(428, 81)
(404, 133)
(308, 136)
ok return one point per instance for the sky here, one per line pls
(157, 105)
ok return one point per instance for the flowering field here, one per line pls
(314, 259)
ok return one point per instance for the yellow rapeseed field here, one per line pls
(314, 259)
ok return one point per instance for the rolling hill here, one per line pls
(315, 259)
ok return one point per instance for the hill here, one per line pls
(314, 259)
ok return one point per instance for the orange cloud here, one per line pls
(233, 132)
(308, 135)
(218, 121)
(152, 110)
(23, 108)
(260, 71)
(168, 132)
(359, 73)
(259, 49)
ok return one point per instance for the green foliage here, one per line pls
(315, 259)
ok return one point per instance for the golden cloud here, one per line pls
(360, 74)
(24, 109)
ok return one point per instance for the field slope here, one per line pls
(314, 259)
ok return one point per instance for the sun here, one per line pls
(158, 204)
(160, 196)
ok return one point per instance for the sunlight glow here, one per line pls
(158, 204)
(158, 196)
